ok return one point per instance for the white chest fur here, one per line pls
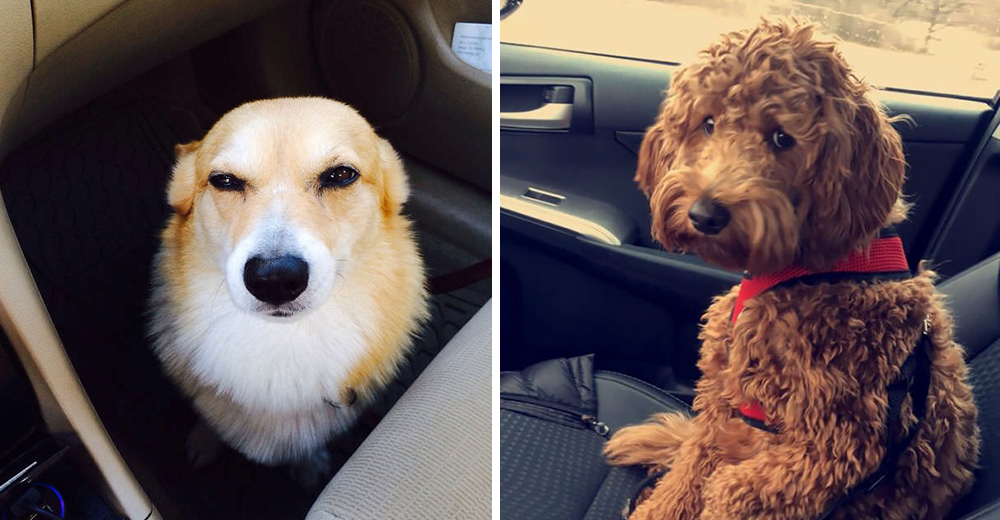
(263, 385)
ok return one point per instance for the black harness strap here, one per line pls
(646, 482)
(914, 380)
(760, 425)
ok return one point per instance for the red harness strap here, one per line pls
(884, 256)
(754, 411)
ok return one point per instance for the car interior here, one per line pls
(93, 98)
(581, 274)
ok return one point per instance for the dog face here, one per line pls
(769, 152)
(281, 196)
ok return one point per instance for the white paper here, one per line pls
(473, 42)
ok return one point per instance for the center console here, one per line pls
(38, 476)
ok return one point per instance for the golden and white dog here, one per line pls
(288, 285)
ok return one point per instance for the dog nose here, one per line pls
(276, 280)
(708, 216)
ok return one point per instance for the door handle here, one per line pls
(550, 116)
(546, 104)
(556, 112)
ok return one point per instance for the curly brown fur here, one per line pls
(809, 204)
(653, 444)
(818, 358)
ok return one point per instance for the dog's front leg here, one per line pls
(677, 496)
(785, 482)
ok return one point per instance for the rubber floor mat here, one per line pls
(86, 200)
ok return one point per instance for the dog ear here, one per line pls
(180, 192)
(860, 173)
(395, 188)
(659, 146)
(651, 158)
(182, 149)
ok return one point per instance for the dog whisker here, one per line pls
(340, 285)
(221, 156)
(215, 295)
(332, 148)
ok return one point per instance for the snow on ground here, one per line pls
(958, 64)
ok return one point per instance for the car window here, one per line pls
(942, 46)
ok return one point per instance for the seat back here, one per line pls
(974, 300)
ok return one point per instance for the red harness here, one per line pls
(884, 258)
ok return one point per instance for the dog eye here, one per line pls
(708, 125)
(338, 177)
(226, 181)
(780, 140)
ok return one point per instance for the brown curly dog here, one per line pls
(768, 156)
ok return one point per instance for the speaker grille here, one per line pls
(368, 56)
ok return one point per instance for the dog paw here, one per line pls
(314, 471)
(654, 443)
(203, 446)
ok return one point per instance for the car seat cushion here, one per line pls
(551, 466)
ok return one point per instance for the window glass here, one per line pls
(944, 46)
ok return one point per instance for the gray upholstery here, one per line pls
(430, 456)
(553, 472)
(973, 296)
(974, 300)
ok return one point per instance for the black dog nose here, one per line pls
(708, 216)
(276, 280)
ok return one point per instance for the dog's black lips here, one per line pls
(280, 314)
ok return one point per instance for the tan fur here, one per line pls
(817, 357)
(379, 289)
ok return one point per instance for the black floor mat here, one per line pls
(86, 201)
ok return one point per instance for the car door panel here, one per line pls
(593, 166)
(565, 295)
(626, 97)
(618, 107)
